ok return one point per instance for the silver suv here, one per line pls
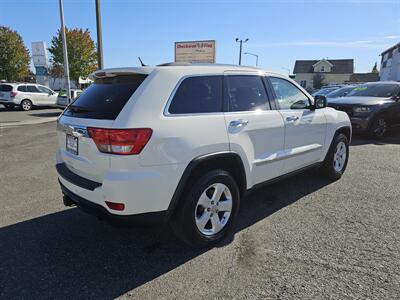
(26, 95)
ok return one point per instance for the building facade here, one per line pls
(332, 71)
(390, 64)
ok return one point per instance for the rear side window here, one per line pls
(5, 88)
(22, 88)
(200, 94)
(32, 89)
(105, 98)
(246, 93)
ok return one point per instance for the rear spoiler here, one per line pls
(120, 71)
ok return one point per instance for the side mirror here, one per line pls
(396, 98)
(320, 102)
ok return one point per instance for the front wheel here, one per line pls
(336, 160)
(378, 128)
(207, 211)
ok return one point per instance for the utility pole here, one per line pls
(255, 55)
(65, 53)
(240, 51)
(99, 37)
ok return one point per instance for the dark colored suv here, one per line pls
(372, 107)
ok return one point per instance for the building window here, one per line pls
(303, 83)
(322, 69)
(390, 54)
(384, 64)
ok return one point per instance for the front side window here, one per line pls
(32, 89)
(288, 95)
(43, 90)
(246, 93)
(199, 94)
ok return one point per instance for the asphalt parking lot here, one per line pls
(17, 117)
(303, 238)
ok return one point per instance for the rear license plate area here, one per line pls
(72, 144)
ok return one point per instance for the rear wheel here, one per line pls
(26, 105)
(208, 210)
(336, 160)
(378, 128)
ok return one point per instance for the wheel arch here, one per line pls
(346, 130)
(228, 161)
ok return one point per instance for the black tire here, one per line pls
(378, 128)
(183, 221)
(26, 105)
(328, 166)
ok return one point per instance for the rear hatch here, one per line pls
(97, 107)
(5, 92)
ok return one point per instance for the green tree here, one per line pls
(375, 69)
(82, 55)
(318, 81)
(14, 57)
(56, 70)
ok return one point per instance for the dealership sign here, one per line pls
(196, 51)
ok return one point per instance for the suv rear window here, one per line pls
(105, 98)
(5, 88)
(199, 94)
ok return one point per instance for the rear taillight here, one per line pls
(120, 141)
(13, 94)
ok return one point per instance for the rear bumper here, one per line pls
(99, 211)
(4, 101)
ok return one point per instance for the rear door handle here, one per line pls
(292, 118)
(238, 123)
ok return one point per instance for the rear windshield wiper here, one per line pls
(78, 109)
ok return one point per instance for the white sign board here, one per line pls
(195, 51)
(39, 54)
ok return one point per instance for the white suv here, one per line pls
(26, 95)
(184, 143)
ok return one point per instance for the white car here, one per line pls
(183, 143)
(26, 95)
(63, 102)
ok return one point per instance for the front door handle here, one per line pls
(238, 123)
(292, 118)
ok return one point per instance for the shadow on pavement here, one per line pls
(46, 115)
(72, 255)
(392, 137)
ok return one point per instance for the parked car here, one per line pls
(26, 95)
(341, 92)
(63, 102)
(324, 91)
(372, 107)
(184, 143)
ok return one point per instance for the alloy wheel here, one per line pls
(339, 157)
(213, 209)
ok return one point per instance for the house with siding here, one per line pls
(332, 70)
(390, 64)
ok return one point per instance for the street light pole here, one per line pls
(256, 55)
(99, 37)
(65, 53)
(240, 51)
